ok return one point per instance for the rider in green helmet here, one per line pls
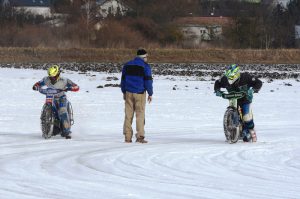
(234, 80)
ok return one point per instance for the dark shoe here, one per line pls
(128, 141)
(68, 137)
(247, 138)
(246, 135)
(141, 140)
(128, 138)
(56, 131)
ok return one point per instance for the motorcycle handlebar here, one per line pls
(52, 91)
(233, 95)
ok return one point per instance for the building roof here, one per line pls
(31, 3)
(203, 20)
(100, 2)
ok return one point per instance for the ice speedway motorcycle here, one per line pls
(233, 120)
(50, 121)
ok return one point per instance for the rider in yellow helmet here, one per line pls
(53, 80)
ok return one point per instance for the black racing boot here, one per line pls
(68, 137)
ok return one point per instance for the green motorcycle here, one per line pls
(232, 122)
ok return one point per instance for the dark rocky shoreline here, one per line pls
(268, 71)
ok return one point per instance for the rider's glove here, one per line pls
(69, 88)
(218, 93)
(72, 88)
(35, 88)
(250, 92)
(255, 90)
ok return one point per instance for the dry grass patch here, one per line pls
(42, 55)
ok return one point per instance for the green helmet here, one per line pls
(232, 73)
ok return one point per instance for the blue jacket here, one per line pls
(137, 77)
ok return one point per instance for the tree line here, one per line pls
(149, 23)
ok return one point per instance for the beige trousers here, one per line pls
(134, 103)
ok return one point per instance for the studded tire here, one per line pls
(231, 125)
(47, 121)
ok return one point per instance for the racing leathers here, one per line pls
(60, 99)
(248, 84)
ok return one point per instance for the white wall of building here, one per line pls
(202, 32)
(112, 7)
(44, 11)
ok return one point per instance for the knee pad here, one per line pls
(249, 124)
(66, 125)
(62, 110)
(248, 120)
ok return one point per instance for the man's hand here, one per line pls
(149, 99)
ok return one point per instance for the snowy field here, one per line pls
(186, 156)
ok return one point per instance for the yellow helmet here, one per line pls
(53, 71)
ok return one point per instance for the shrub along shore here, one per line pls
(94, 55)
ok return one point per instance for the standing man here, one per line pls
(136, 80)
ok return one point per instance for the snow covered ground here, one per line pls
(186, 156)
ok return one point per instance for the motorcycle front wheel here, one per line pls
(47, 121)
(231, 125)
